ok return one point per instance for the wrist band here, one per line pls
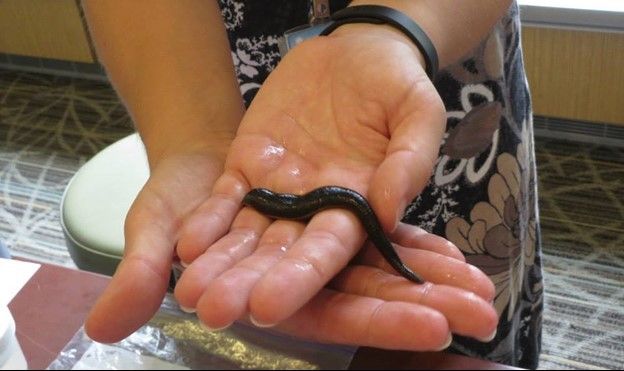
(377, 14)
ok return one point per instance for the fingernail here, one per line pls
(187, 309)
(184, 264)
(447, 344)
(210, 329)
(259, 324)
(489, 338)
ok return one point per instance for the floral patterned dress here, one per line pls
(482, 195)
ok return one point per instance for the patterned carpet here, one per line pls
(49, 126)
(582, 216)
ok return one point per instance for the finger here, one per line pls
(212, 219)
(239, 243)
(327, 244)
(411, 155)
(142, 278)
(225, 298)
(467, 313)
(350, 319)
(411, 236)
(436, 268)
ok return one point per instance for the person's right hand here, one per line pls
(178, 183)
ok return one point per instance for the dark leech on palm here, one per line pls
(289, 206)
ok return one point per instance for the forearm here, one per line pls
(455, 27)
(170, 63)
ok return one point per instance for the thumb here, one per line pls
(142, 278)
(411, 155)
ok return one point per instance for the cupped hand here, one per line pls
(354, 110)
(176, 186)
(367, 304)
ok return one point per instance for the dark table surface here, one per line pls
(52, 307)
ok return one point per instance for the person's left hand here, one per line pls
(356, 110)
(367, 304)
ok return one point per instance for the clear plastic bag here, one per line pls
(175, 340)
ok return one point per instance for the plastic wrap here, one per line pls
(175, 340)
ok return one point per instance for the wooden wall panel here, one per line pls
(44, 28)
(575, 74)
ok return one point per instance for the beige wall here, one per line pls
(44, 28)
(576, 74)
(573, 74)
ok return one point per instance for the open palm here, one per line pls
(353, 112)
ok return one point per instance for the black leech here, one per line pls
(289, 206)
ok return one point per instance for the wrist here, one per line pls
(216, 149)
(378, 33)
(184, 128)
(397, 20)
(163, 144)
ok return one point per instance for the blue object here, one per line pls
(4, 251)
